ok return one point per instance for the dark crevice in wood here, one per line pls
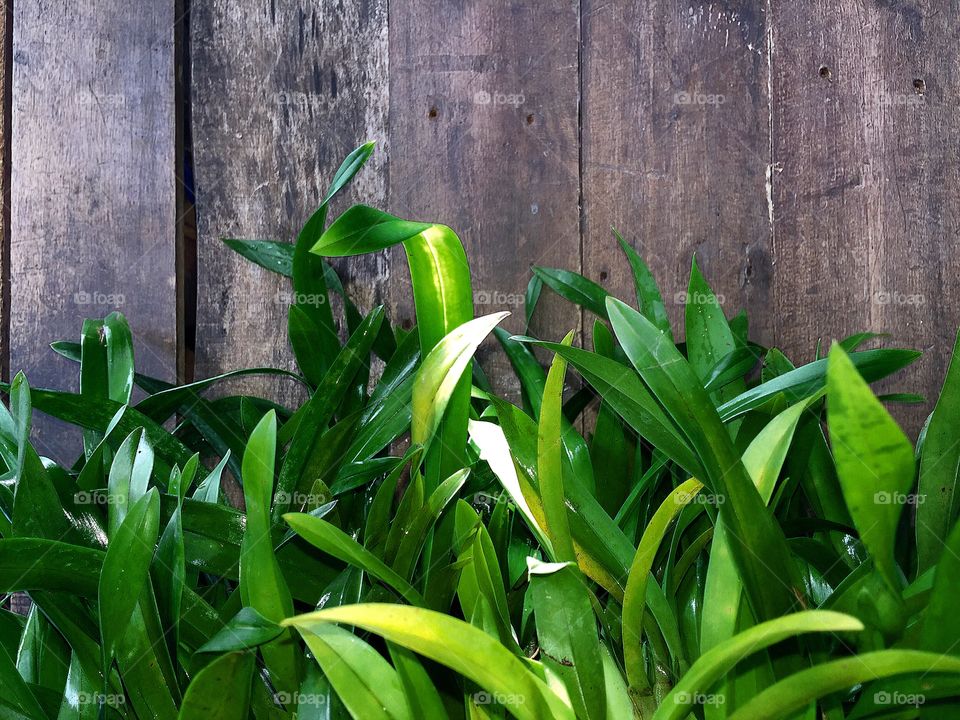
(582, 219)
(186, 209)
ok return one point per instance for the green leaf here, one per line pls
(940, 470)
(873, 365)
(649, 300)
(304, 448)
(366, 683)
(623, 390)
(575, 288)
(244, 631)
(305, 337)
(549, 466)
(454, 643)
(441, 373)
(125, 571)
(567, 632)
(269, 254)
(783, 698)
(262, 585)
(874, 460)
(221, 691)
(337, 543)
(18, 694)
(634, 598)
(169, 575)
(129, 477)
(106, 364)
(530, 299)
(763, 558)
(420, 692)
(30, 564)
(440, 277)
(763, 460)
(414, 536)
(708, 335)
(720, 660)
(209, 490)
(941, 621)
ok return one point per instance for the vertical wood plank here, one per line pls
(867, 149)
(484, 137)
(676, 148)
(282, 91)
(6, 78)
(92, 192)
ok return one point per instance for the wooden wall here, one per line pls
(808, 153)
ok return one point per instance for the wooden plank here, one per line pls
(6, 76)
(483, 137)
(92, 192)
(866, 142)
(676, 148)
(282, 91)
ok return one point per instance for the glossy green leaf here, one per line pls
(718, 661)
(708, 335)
(634, 598)
(649, 299)
(804, 381)
(269, 254)
(575, 288)
(440, 374)
(770, 577)
(549, 466)
(262, 584)
(940, 470)
(440, 278)
(221, 691)
(456, 644)
(126, 569)
(567, 632)
(367, 684)
(795, 692)
(763, 460)
(337, 543)
(874, 460)
(244, 631)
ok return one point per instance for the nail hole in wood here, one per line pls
(603, 275)
(919, 86)
(530, 119)
(432, 113)
(825, 72)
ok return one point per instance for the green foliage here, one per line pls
(405, 543)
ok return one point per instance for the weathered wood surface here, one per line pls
(484, 138)
(6, 58)
(281, 92)
(676, 148)
(809, 154)
(805, 152)
(92, 209)
(866, 190)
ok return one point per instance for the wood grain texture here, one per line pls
(483, 136)
(867, 156)
(282, 91)
(92, 191)
(6, 76)
(676, 148)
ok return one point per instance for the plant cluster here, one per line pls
(703, 530)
